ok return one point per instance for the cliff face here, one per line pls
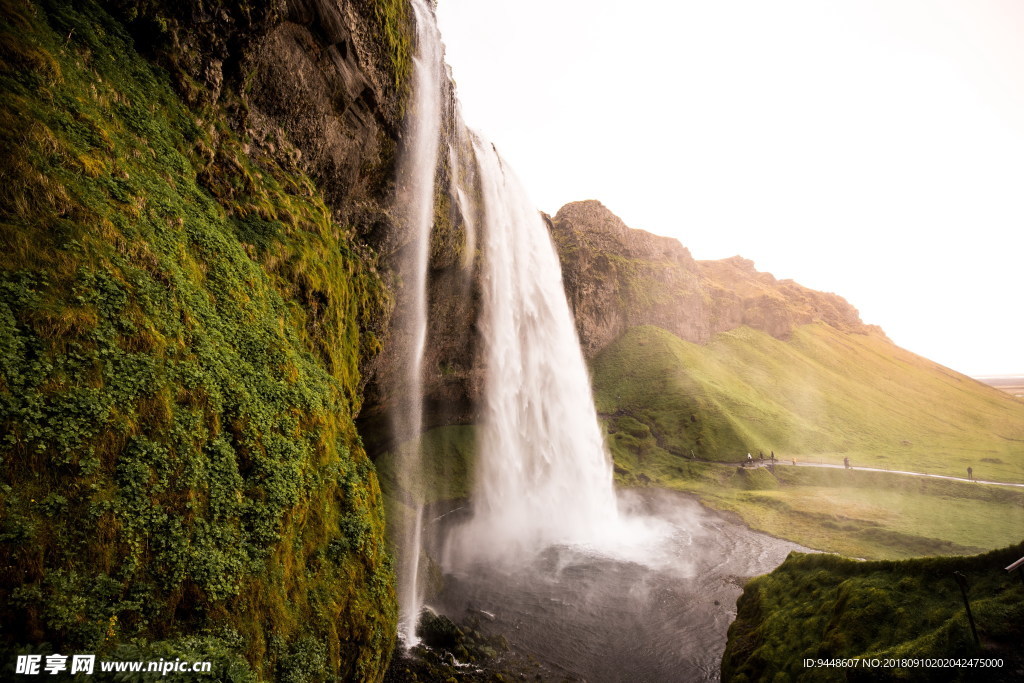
(197, 231)
(741, 295)
(617, 277)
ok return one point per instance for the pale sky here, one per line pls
(872, 148)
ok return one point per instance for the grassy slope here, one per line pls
(180, 334)
(823, 606)
(821, 395)
(872, 515)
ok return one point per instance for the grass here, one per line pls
(181, 329)
(823, 394)
(823, 606)
(859, 514)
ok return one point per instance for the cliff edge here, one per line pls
(618, 277)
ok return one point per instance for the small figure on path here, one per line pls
(750, 458)
(760, 454)
(970, 473)
(846, 463)
(794, 462)
(773, 457)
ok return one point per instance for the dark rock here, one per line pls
(438, 631)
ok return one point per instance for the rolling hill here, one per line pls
(697, 363)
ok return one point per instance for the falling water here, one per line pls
(543, 475)
(417, 200)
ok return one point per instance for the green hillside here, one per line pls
(821, 395)
(824, 607)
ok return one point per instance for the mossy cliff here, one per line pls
(827, 607)
(195, 225)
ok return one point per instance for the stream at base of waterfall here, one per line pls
(657, 613)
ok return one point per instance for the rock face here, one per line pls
(617, 277)
(311, 81)
(741, 295)
(201, 198)
(321, 85)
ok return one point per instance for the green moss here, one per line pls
(181, 329)
(822, 606)
(395, 23)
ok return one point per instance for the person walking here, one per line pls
(970, 473)
(846, 463)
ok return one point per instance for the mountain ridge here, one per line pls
(618, 277)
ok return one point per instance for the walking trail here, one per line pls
(878, 469)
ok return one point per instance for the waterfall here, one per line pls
(543, 475)
(416, 197)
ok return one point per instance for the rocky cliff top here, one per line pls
(617, 277)
(600, 227)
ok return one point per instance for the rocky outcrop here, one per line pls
(742, 295)
(311, 81)
(617, 277)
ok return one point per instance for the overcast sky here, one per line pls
(870, 148)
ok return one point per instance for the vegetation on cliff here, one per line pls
(182, 324)
(823, 606)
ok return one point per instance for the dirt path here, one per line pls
(789, 463)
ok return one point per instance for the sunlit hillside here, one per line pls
(822, 395)
(674, 409)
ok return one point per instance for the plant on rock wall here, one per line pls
(180, 338)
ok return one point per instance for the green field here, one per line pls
(870, 515)
(821, 396)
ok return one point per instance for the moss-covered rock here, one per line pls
(182, 326)
(828, 607)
